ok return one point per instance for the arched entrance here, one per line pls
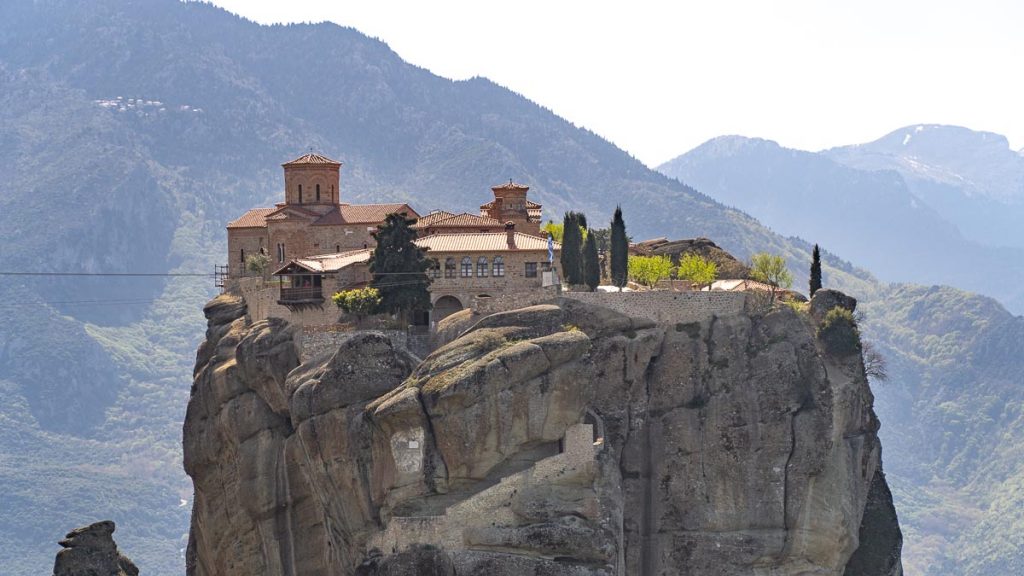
(446, 306)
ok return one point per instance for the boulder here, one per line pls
(827, 299)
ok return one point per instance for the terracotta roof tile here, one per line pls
(255, 218)
(510, 186)
(483, 242)
(330, 262)
(312, 159)
(464, 220)
(373, 213)
(430, 219)
(530, 205)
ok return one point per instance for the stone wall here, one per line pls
(261, 298)
(512, 300)
(666, 307)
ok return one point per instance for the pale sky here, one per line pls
(659, 78)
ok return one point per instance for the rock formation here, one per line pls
(561, 439)
(91, 551)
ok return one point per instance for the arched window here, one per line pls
(241, 255)
(449, 268)
(499, 266)
(300, 193)
(435, 268)
(317, 192)
(337, 247)
(481, 267)
(467, 267)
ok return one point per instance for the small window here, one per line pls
(481, 267)
(449, 268)
(317, 192)
(467, 267)
(435, 268)
(337, 248)
(280, 252)
(531, 269)
(300, 193)
(241, 255)
(499, 266)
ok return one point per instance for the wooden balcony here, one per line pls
(303, 295)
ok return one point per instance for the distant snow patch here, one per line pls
(907, 138)
(919, 129)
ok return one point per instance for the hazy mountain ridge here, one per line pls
(871, 216)
(172, 180)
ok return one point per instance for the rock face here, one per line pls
(91, 551)
(559, 439)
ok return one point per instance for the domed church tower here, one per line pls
(312, 180)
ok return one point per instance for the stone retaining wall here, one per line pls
(513, 300)
(666, 307)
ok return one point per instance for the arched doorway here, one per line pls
(446, 306)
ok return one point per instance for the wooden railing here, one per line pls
(307, 294)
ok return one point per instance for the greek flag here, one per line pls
(551, 248)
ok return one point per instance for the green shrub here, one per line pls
(361, 301)
(257, 262)
(839, 332)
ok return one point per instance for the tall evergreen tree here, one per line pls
(620, 250)
(399, 268)
(591, 265)
(815, 283)
(572, 245)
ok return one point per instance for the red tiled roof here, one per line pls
(373, 213)
(530, 205)
(312, 159)
(330, 262)
(430, 219)
(464, 220)
(510, 186)
(483, 242)
(282, 212)
(255, 218)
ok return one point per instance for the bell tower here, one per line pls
(312, 179)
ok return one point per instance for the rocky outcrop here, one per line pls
(91, 551)
(559, 439)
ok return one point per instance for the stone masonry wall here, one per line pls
(666, 307)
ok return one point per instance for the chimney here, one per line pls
(510, 233)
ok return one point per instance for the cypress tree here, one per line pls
(815, 271)
(399, 268)
(572, 244)
(620, 250)
(591, 265)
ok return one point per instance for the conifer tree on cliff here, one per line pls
(572, 245)
(815, 271)
(620, 250)
(591, 265)
(399, 268)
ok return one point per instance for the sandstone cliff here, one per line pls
(91, 551)
(558, 440)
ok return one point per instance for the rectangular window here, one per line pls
(531, 269)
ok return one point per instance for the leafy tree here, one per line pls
(360, 301)
(647, 270)
(697, 270)
(555, 230)
(619, 250)
(839, 332)
(399, 268)
(257, 262)
(770, 269)
(572, 249)
(815, 284)
(591, 265)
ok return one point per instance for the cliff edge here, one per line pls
(560, 439)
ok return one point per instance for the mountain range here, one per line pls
(131, 131)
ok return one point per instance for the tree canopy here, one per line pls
(399, 268)
(591, 264)
(572, 248)
(697, 269)
(619, 250)
(647, 270)
(770, 269)
(815, 283)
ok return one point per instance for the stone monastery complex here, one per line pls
(318, 245)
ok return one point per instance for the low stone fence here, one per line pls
(666, 307)
(505, 301)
